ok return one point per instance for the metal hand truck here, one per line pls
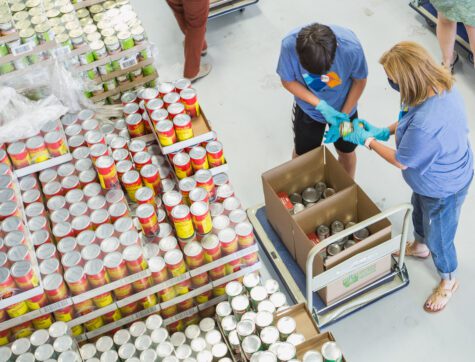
(397, 279)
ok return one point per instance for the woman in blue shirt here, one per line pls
(432, 150)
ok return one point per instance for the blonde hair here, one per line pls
(410, 66)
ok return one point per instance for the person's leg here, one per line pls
(196, 17)
(177, 8)
(446, 32)
(471, 37)
(441, 217)
(419, 247)
(308, 133)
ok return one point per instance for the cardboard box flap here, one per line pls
(315, 344)
(305, 323)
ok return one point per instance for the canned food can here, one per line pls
(148, 219)
(250, 345)
(19, 154)
(175, 263)
(134, 259)
(229, 241)
(201, 217)
(182, 220)
(286, 326)
(165, 131)
(55, 144)
(361, 234)
(132, 182)
(183, 127)
(323, 232)
(135, 125)
(107, 172)
(211, 248)
(182, 165)
(76, 280)
(189, 98)
(214, 150)
(158, 269)
(24, 275)
(194, 255)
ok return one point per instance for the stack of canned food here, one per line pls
(37, 22)
(49, 143)
(256, 331)
(111, 28)
(194, 160)
(149, 341)
(296, 202)
(50, 344)
(323, 231)
(170, 107)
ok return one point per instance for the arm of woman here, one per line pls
(385, 152)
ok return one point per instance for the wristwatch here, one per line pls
(367, 143)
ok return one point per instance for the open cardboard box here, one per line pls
(305, 323)
(351, 204)
(294, 176)
(315, 344)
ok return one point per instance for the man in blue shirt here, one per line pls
(324, 67)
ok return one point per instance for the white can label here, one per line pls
(23, 48)
(128, 62)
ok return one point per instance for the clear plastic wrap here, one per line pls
(22, 118)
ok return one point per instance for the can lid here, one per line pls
(137, 329)
(271, 286)
(104, 162)
(74, 274)
(20, 346)
(75, 195)
(177, 339)
(78, 209)
(7, 208)
(143, 342)
(296, 339)
(88, 176)
(231, 203)
(88, 351)
(96, 202)
(244, 229)
(266, 305)
(104, 343)
(93, 267)
(56, 203)
(180, 211)
(14, 238)
(159, 335)
(219, 350)
(81, 222)
(198, 344)
(251, 280)
(144, 194)
(99, 216)
(203, 176)
(71, 259)
(182, 83)
(126, 351)
(286, 325)
(28, 183)
(132, 253)
(216, 209)
(171, 97)
(110, 245)
(119, 209)
(187, 184)
(193, 249)
(227, 235)
(129, 238)
(113, 260)
(173, 257)
(155, 104)
(63, 344)
(278, 299)
(98, 149)
(20, 268)
(123, 224)
(198, 194)
(172, 198)
(210, 241)
(49, 266)
(188, 93)
(245, 328)
(183, 352)
(142, 157)
(240, 303)
(84, 165)
(165, 230)
(181, 120)
(90, 252)
(121, 337)
(225, 191)
(39, 337)
(181, 159)
(214, 147)
(251, 344)
(58, 329)
(46, 251)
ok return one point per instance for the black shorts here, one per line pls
(308, 133)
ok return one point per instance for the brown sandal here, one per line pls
(416, 254)
(441, 293)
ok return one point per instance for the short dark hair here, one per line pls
(316, 48)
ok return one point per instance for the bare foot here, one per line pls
(441, 296)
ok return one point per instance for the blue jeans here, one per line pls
(435, 224)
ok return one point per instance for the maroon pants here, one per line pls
(192, 16)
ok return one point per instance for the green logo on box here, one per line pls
(353, 278)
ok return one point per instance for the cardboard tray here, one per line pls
(306, 325)
(295, 176)
(351, 204)
(316, 344)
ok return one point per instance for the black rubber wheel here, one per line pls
(242, 10)
(470, 57)
(431, 24)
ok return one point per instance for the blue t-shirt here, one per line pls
(333, 87)
(432, 141)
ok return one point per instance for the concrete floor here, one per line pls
(250, 111)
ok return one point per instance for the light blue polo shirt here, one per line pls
(333, 87)
(432, 141)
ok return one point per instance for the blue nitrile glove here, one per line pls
(333, 134)
(380, 133)
(359, 134)
(332, 116)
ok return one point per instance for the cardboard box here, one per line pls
(351, 204)
(305, 323)
(294, 176)
(315, 344)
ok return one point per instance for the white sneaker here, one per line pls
(205, 69)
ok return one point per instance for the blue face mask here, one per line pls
(393, 85)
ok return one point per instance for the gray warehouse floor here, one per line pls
(250, 110)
